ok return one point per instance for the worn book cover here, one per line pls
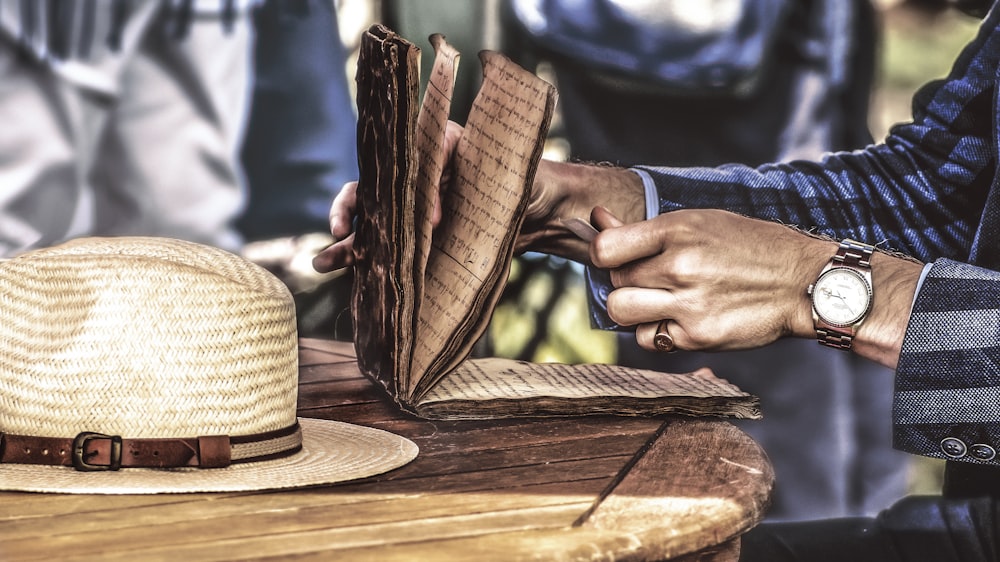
(423, 295)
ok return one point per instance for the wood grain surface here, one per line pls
(580, 488)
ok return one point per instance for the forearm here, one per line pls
(876, 196)
(894, 282)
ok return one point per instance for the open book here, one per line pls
(423, 296)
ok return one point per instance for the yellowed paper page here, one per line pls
(495, 378)
(431, 123)
(482, 213)
(611, 387)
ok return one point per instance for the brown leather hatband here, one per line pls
(95, 451)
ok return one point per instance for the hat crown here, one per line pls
(144, 337)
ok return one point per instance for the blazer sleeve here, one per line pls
(921, 192)
(947, 397)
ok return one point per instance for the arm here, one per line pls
(920, 192)
(707, 273)
(730, 282)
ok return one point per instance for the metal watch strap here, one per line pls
(856, 256)
(834, 336)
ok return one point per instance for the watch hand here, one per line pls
(842, 298)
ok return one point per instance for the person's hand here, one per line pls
(722, 280)
(563, 191)
(559, 191)
(340, 254)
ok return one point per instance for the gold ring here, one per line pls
(662, 340)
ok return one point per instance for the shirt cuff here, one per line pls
(652, 196)
(920, 282)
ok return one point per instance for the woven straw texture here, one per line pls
(144, 337)
(154, 337)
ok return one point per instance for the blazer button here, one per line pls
(982, 451)
(953, 447)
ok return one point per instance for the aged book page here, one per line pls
(481, 214)
(431, 123)
(496, 387)
(424, 294)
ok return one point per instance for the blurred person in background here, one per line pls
(122, 118)
(300, 145)
(300, 148)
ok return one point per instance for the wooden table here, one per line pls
(583, 488)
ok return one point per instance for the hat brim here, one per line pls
(332, 452)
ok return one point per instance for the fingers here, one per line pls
(343, 210)
(619, 244)
(630, 306)
(437, 213)
(452, 134)
(340, 254)
(603, 219)
(336, 256)
(658, 336)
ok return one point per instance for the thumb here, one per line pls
(602, 219)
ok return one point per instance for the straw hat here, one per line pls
(174, 360)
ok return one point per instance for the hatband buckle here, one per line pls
(80, 443)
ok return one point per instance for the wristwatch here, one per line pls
(842, 295)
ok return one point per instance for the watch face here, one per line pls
(841, 296)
